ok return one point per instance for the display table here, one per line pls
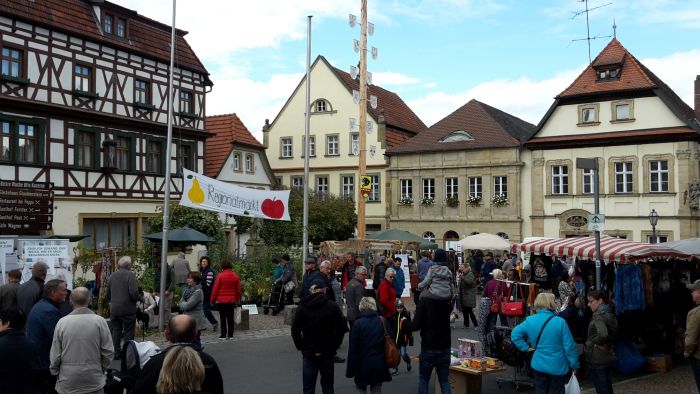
(465, 380)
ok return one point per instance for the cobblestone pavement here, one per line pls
(678, 381)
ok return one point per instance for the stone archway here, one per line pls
(451, 235)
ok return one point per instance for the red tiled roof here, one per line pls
(146, 37)
(228, 130)
(395, 137)
(490, 128)
(396, 112)
(632, 75)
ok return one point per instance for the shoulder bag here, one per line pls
(391, 352)
(515, 306)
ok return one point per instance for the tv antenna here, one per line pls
(588, 38)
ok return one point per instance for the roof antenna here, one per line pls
(588, 26)
(614, 29)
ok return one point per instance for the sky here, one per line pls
(515, 55)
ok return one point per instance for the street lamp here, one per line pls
(653, 220)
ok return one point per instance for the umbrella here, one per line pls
(484, 241)
(427, 245)
(394, 235)
(181, 235)
(687, 246)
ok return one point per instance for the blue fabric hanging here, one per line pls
(629, 290)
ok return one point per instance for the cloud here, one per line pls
(393, 78)
(441, 11)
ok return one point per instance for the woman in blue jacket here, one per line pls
(554, 355)
(366, 359)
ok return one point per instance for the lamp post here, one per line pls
(653, 220)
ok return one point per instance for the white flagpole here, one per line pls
(307, 127)
(166, 200)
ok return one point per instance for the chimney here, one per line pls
(697, 96)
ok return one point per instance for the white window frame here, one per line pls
(354, 138)
(429, 188)
(297, 182)
(587, 181)
(660, 238)
(374, 193)
(406, 188)
(476, 187)
(333, 145)
(236, 161)
(321, 106)
(347, 187)
(286, 147)
(662, 177)
(429, 236)
(312, 146)
(322, 185)
(500, 185)
(451, 187)
(249, 163)
(627, 173)
(560, 179)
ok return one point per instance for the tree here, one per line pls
(330, 218)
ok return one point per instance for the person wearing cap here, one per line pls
(692, 333)
(318, 330)
(400, 282)
(311, 273)
(403, 334)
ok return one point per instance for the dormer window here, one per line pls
(114, 25)
(457, 136)
(608, 74)
(321, 106)
(109, 20)
(121, 27)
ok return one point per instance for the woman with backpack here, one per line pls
(547, 337)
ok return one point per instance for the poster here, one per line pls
(53, 252)
(406, 275)
(7, 263)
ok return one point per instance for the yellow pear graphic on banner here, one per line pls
(196, 194)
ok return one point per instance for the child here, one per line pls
(401, 325)
(438, 283)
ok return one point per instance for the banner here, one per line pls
(53, 252)
(203, 192)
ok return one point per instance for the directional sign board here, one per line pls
(596, 222)
(25, 207)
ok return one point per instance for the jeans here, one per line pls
(440, 360)
(226, 319)
(468, 313)
(550, 384)
(404, 354)
(602, 378)
(122, 328)
(695, 364)
(312, 367)
(206, 307)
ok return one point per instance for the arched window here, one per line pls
(502, 235)
(429, 236)
(451, 236)
(321, 106)
(474, 233)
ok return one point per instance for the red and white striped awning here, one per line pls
(611, 248)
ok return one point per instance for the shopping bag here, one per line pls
(572, 387)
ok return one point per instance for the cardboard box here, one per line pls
(659, 363)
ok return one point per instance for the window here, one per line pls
(407, 188)
(622, 111)
(109, 232)
(500, 186)
(5, 141)
(123, 153)
(154, 157)
(20, 142)
(142, 92)
(297, 182)
(12, 62)
(348, 186)
(332, 145)
(322, 185)
(429, 188)
(658, 176)
(121, 27)
(286, 147)
(354, 144)
(609, 74)
(475, 187)
(82, 78)
(186, 102)
(429, 236)
(588, 114)
(457, 136)
(27, 142)
(560, 180)
(108, 24)
(85, 149)
(451, 188)
(502, 235)
(236, 161)
(374, 193)
(659, 239)
(249, 163)
(312, 146)
(587, 181)
(321, 106)
(623, 177)
(185, 159)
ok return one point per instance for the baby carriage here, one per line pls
(275, 302)
(135, 356)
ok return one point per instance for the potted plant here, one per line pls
(427, 201)
(406, 201)
(499, 200)
(474, 201)
(452, 201)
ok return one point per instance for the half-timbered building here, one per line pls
(83, 105)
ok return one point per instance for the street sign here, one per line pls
(596, 222)
(41, 209)
(23, 228)
(25, 207)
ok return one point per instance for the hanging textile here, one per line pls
(629, 290)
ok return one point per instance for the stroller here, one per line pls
(135, 355)
(275, 301)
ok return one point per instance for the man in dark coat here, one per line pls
(433, 321)
(311, 273)
(31, 291)
(354, 292)
(180, 330)
(317, 330)
(122, 293)
(379, 272)
(8, 291)
(18, 358)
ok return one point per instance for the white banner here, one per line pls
(203, 192)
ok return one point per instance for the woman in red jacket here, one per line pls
(225, 294)
(387, 293)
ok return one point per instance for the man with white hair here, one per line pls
(82, 348)
(122, 293)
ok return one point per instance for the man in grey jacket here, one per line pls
(354, 291)
(122, 293)
(82, 348)
(31, 291)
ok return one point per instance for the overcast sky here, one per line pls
(515, 55)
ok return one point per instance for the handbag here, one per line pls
(515, 307)
(391, 352)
